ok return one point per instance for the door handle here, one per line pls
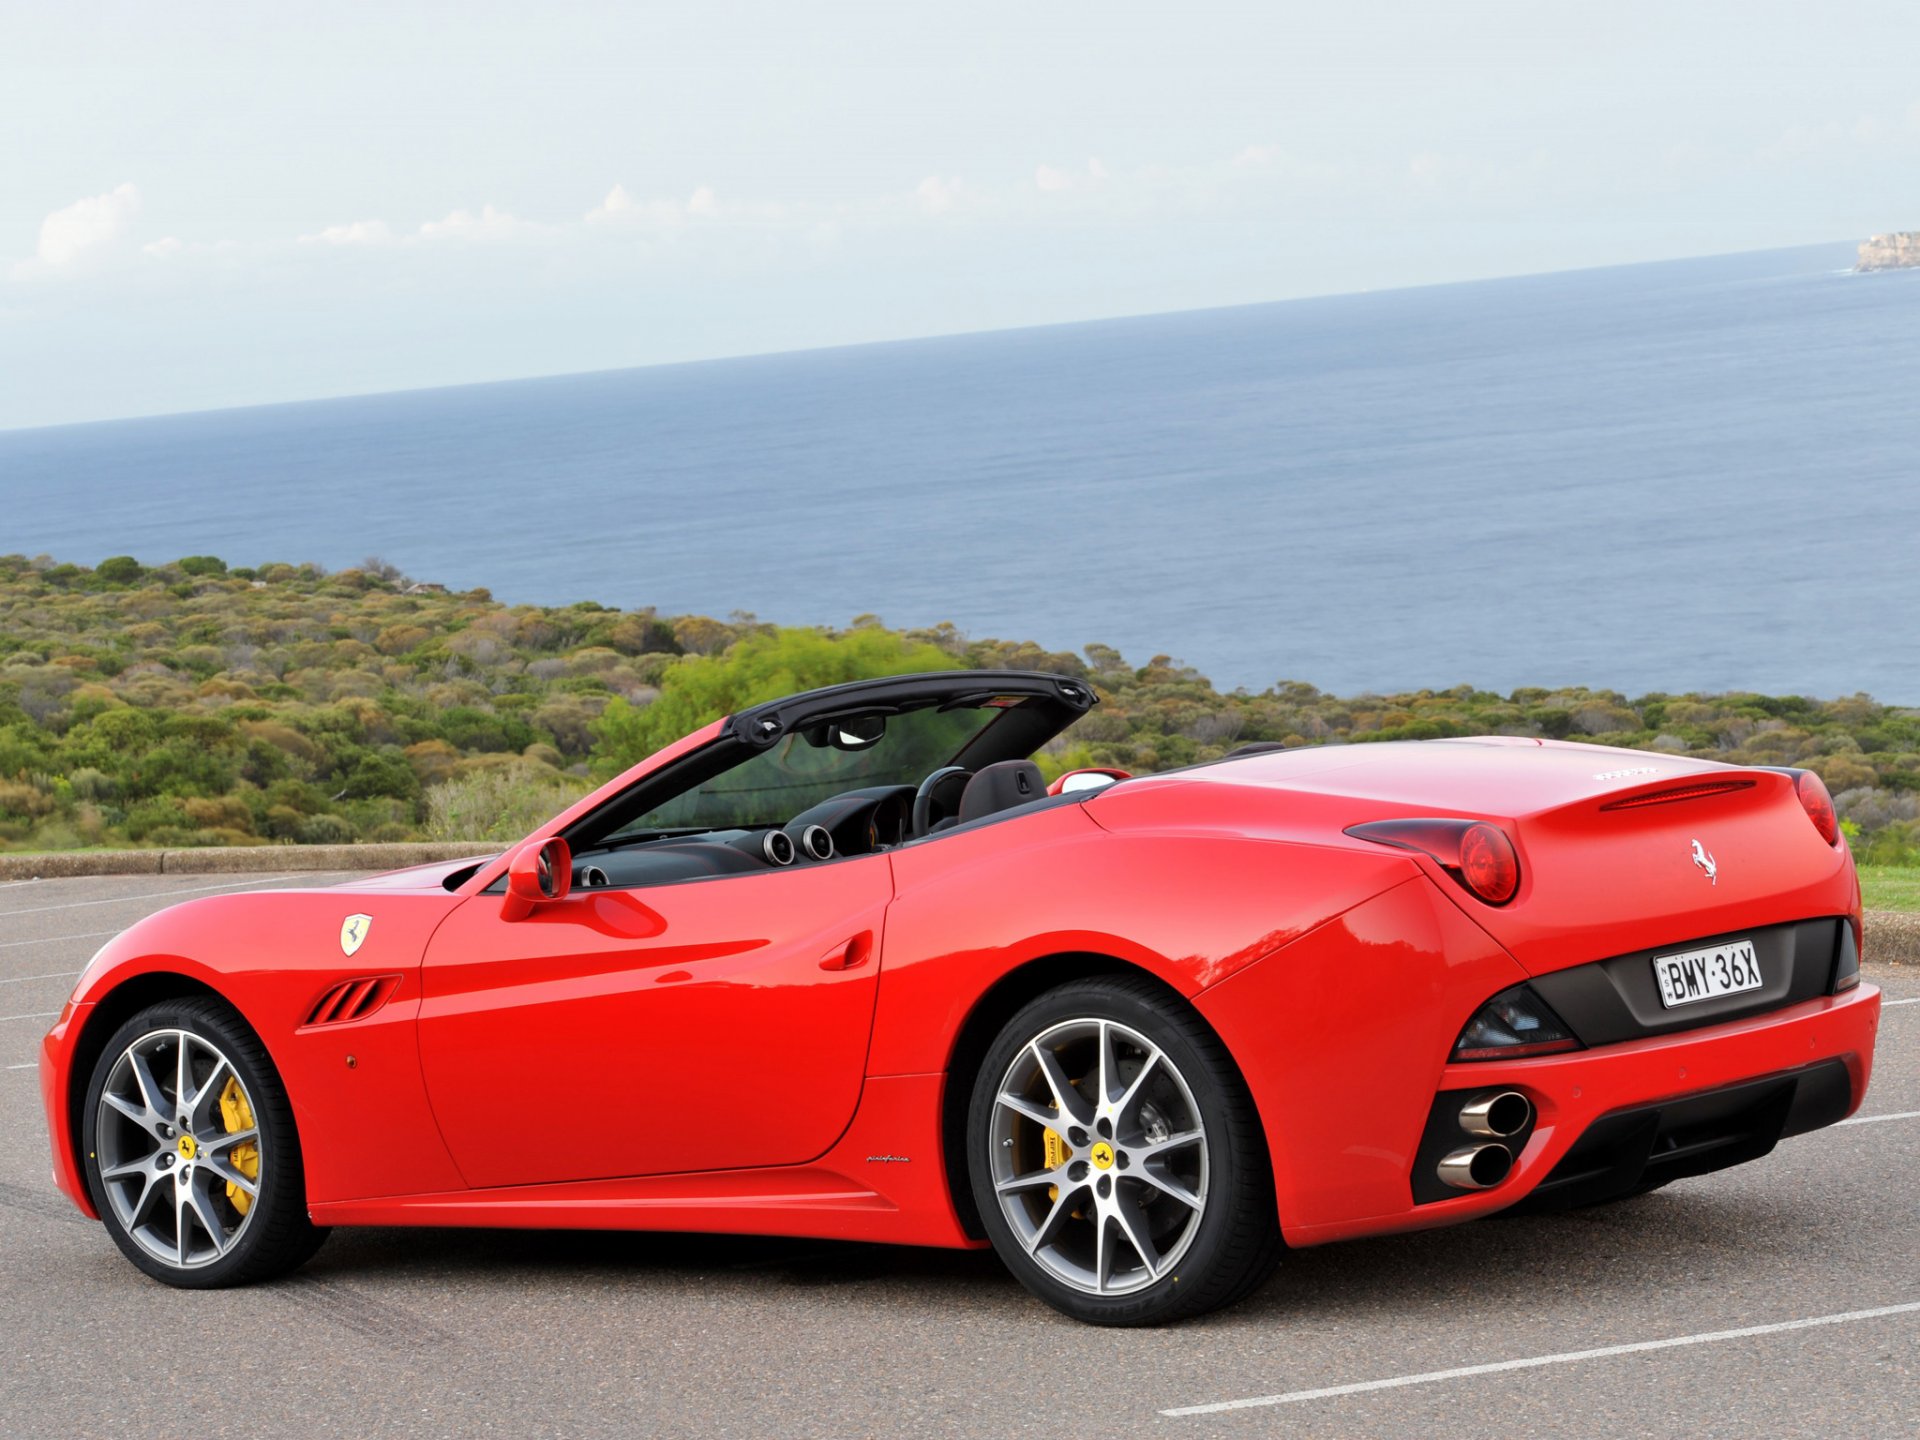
(850, 956)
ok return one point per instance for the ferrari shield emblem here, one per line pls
(353, 932)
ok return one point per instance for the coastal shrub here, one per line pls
(498, 802)
(187, 702)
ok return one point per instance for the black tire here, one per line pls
(1218, 1261)
(276, 1235)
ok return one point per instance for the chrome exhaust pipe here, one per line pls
(1477, 1167)
(1496, 1114)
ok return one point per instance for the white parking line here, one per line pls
(59, 939)
(50, 975)
(36, 1015)
(1566, 1358)
(1874, 1119)
(30, 1065)
(1889, 1004)
(166, 894)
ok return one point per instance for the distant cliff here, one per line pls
(1899, 251)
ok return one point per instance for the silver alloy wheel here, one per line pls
(1112, 1201)
(166, 1157)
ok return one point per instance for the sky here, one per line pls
(225, 204)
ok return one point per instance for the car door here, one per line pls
(708, 1025)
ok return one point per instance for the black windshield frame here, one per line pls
(1048, 705)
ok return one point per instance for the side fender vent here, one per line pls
(352, 1000)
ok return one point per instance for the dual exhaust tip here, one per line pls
(1496, 1116)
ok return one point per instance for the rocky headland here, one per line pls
(1898, 251)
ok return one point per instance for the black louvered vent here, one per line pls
(352, 1000)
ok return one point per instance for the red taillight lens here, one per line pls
(1480, 856)
(1818, 804)
(1488, 865)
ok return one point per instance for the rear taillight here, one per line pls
(1818, 803)
(1480, 856)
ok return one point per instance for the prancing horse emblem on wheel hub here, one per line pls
(353, 932)
(1101, 1155)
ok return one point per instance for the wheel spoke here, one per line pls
(154, 1180)
(1107, 1068)
(180, 1211)
(226, 1170)
(1134, 1087)
(219, 1141)
(1033, 1180)
(138, 1114)
(143, 1166)
(203, 1212)
(1166, 1185)
(1038, 1114)
(150, 1093)
(1154, 1149)
(1133, 1225)
(182, 1078)
(205, 1097)
(1072, 1104)
(1062, 1208)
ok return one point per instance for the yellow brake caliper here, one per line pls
(236, 1114)
(1057, 1154)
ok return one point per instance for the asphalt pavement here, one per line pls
(475, 1333)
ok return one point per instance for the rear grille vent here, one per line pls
(1679, 792)
(352, 1000)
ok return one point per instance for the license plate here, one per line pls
(1695, 975)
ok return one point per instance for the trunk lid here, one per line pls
(1619, 850)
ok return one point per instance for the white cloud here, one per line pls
(940, 196)
(489, 224)
(360, 232)
(85, 231)
(1046, 177)
(622, 207)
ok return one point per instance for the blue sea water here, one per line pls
(1693, 474)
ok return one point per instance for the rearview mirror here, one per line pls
(856, 732)
(538, 874)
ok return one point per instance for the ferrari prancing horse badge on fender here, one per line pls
(353, 932)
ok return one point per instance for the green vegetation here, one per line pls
(1890, 887)
(193, 704)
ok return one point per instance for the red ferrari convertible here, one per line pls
(843, 965)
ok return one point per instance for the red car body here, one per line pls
(790, 1051)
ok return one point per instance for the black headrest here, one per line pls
(1001, 786)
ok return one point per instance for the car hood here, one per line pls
(431, 876)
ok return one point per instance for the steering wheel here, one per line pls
(923, 798)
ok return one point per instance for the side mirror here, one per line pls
(538, 874)
(1075, 781)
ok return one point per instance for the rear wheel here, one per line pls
(191, 1154)
(1116, 1158)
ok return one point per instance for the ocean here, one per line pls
(1699, 474)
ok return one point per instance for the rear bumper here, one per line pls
(56, 1064)
(1630, 1100)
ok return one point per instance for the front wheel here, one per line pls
(1116, 1158)
(190, 1150)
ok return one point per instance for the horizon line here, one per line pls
(558, 375)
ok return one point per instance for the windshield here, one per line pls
(805, 767)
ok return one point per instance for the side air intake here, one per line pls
(352, 1000)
